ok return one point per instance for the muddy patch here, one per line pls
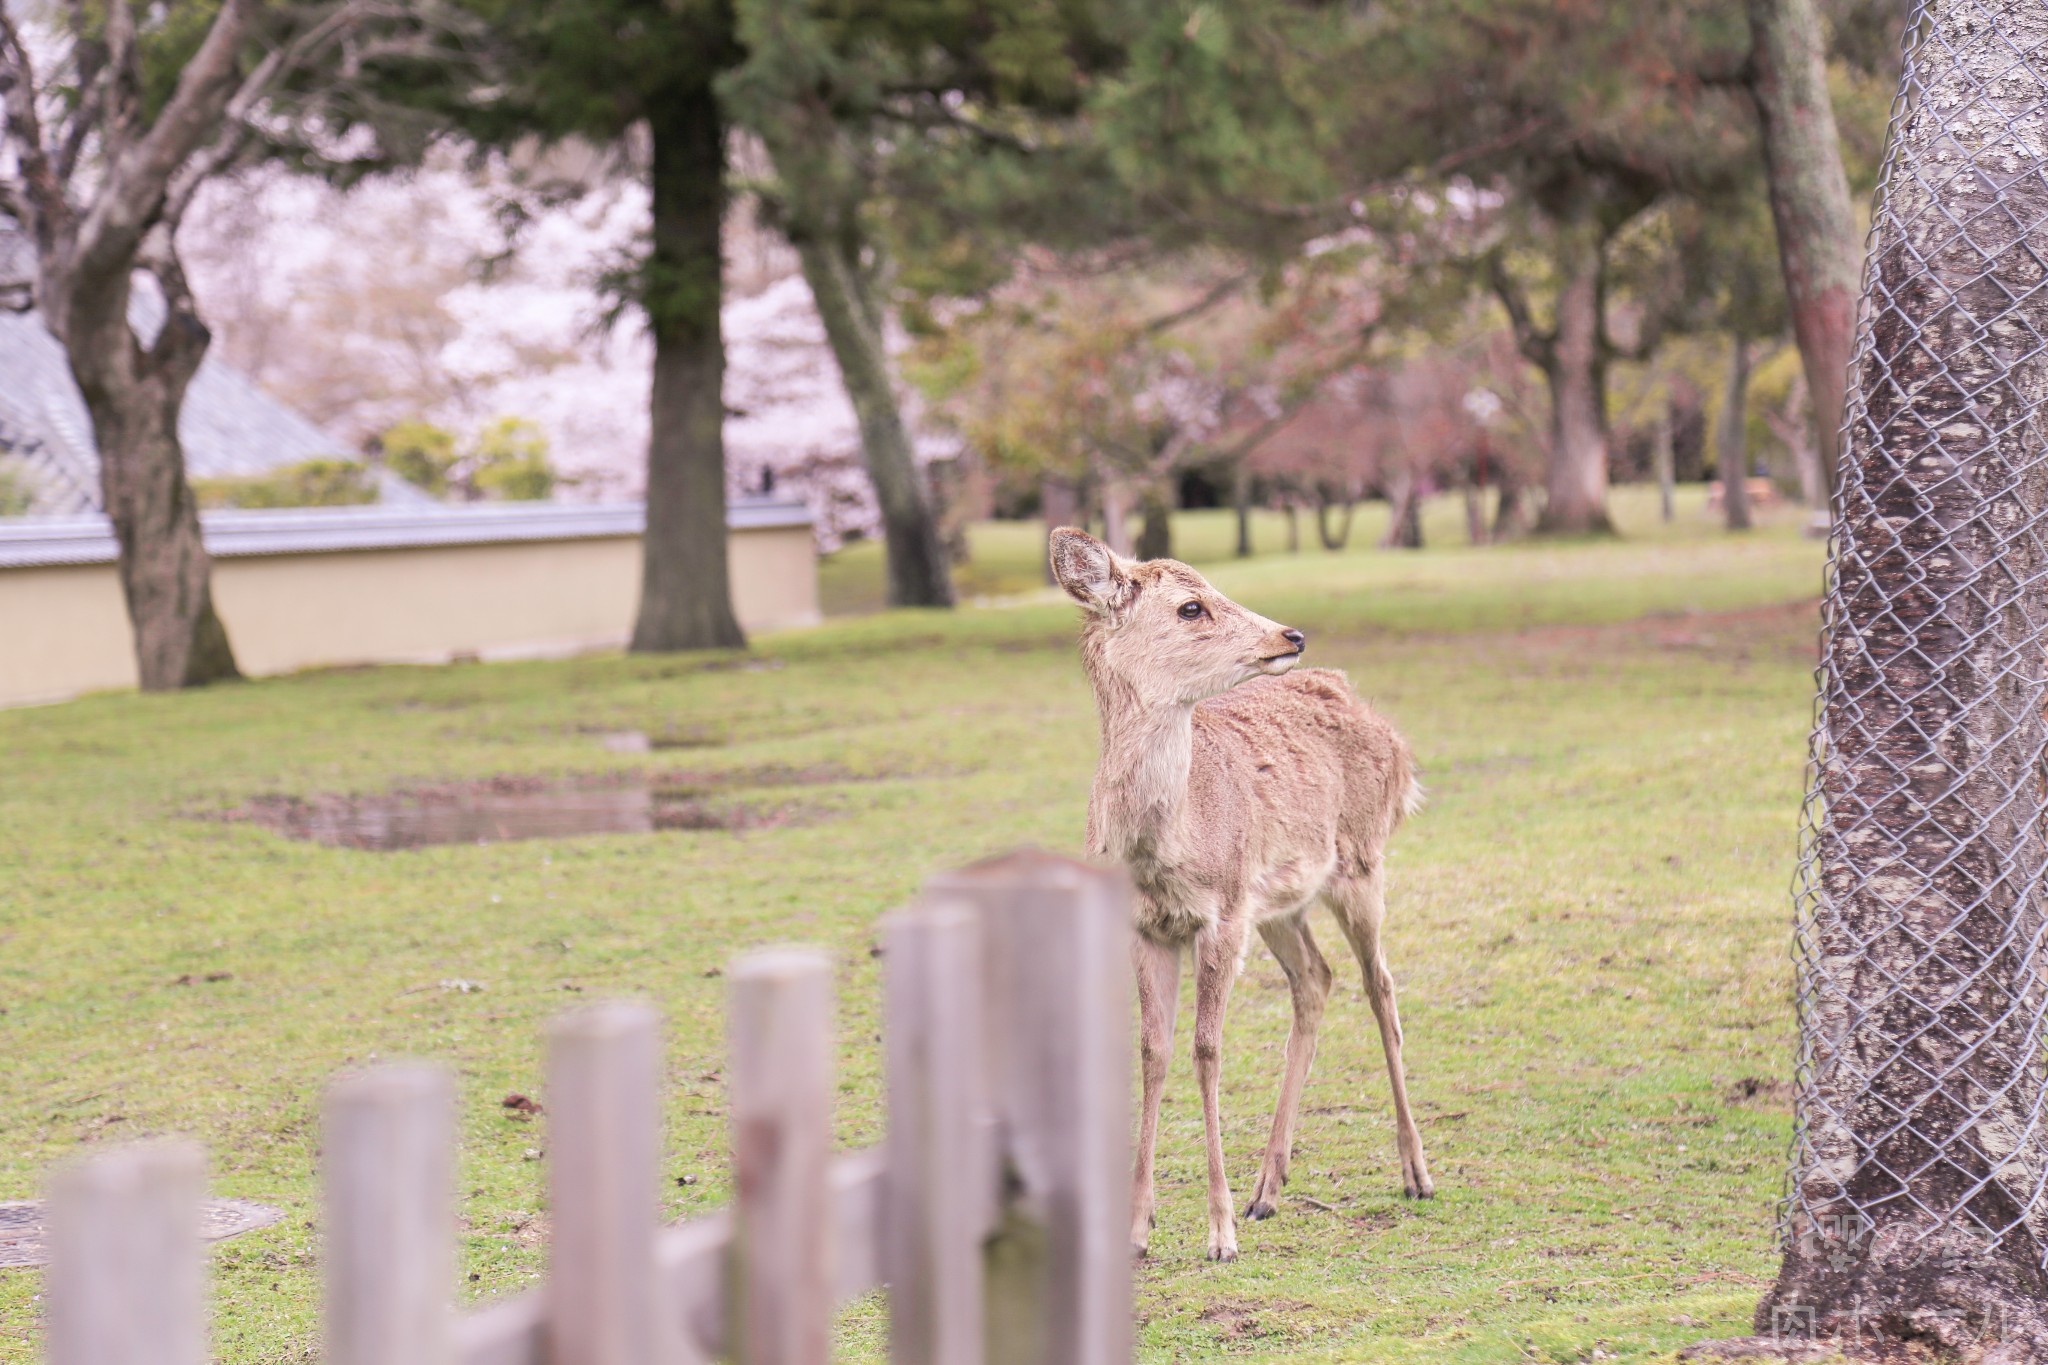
(503, 809)
(1763, 1091)
(24, 1233)
(659, 741)
(1237, 1320)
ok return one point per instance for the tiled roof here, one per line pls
(228, 426)
(30, 541)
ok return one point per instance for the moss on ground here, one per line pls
(1589, 925)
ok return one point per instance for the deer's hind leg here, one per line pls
(1308, 978)
(1158, 970)
(1359, 900)
(1219, 953)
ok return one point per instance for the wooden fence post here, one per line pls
(1055, 978)
(387, 1164)
(779, 1084)
(127, 1277)
(941, 1185)
(604, 1139)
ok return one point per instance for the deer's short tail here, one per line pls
(1406, 788)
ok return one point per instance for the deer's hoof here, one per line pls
(1139, 1251)
(1419, 1187)
(1222, 1253)
(1259, 1210)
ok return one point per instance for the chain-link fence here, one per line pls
(1921, 1130)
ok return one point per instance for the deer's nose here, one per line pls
(1295, 638)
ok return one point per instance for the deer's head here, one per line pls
(1160, 629)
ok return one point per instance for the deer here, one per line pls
(1237, 790)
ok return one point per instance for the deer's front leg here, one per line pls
(1219, 952)
(1158, 971)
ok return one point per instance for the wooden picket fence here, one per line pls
(996, 1211)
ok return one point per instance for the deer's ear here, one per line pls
(1089, 570)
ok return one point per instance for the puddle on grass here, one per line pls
(24, 1236)
(644, 742)
(502, 811)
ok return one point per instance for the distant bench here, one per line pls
(1762, 493)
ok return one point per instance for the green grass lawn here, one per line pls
(1588, 923)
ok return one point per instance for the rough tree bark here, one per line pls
(1809, 191)
(1930, 851)
(1116, 513)
(1661, 455)
(1059, 504)
(1511, 510)
(831, 252)
(1477, 470)
(1572, 356)
(93, 232)
(1576, 484)
(1791, 426)
(1733, 446)
(1155, 524)
(1475, 514)
(133, 393)
(1404, 512)
(1241, 505)
(1334, 538)
(685, 592)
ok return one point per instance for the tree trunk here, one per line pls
(1334, 539)
(918, 574)
(1662, 454)
(1511, 510)
(1155, 530)
(1816, 224)
(1241, 504)
(1059, 504)
(1576, 482)
(1791, 426)
(1404, 512)
(133, 394)
(1916, 1209)
(1733, 446)
(1477, 472)
(1116, 514)
(1475, 514)
(685, 592)
(1293, 510)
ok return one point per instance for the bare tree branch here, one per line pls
(926, 112)
(1305, 391)
(1536, 346)
(137, 175)
(93, 74)
(18, 98)
(1216, 294)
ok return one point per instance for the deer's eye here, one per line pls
(1190, 610)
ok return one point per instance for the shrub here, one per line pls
(17, 494)
(511, 462)
(422, 454)
(309, 483)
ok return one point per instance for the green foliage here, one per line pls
(596, 69)
(420, 453)
(309, 483)
(17, 493)
(510, 462)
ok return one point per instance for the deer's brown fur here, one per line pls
(1237, 791)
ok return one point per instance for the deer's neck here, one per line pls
(1141, 783)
